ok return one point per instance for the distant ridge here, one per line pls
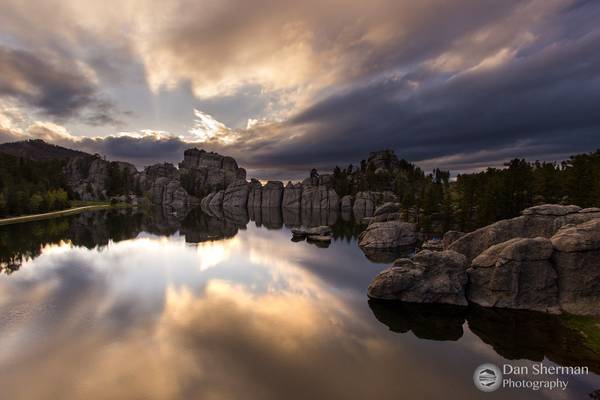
(37, 149)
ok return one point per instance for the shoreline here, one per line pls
(53, 214)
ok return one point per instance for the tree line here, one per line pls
(476, 199)
(29, 187)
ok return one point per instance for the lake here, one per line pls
(131, 305)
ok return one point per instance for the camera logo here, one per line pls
(487, 377)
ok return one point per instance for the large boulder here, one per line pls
(209, 171)
(236, 194)
(538, 221)
(577, 262)
(272, 194)
(388, 234)
(515, 274)
(431, 277)
(292, 196)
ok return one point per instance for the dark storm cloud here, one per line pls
(458, 84)
(57, 88)
(141, 151)
(541, 103)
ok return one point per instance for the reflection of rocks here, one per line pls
(291, 217)
(387, 256)
(517, 334)
(318, 217)
(270, 218)
(430, 277)
(426, 321)
(237, 216)
(514, 334)
(200, 227)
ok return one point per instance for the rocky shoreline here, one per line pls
(547, 259)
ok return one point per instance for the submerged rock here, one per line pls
(431, 277)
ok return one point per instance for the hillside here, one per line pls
(38, 150)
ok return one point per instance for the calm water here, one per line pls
(113, 305)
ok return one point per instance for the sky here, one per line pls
(284, 86)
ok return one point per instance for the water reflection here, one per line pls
(158, 305)
(514, 334)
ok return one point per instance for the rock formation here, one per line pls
(292, 196)
(577, 261)
(388, 234)
(542, 221)
(365, 203)
(548, 259)
(255, 194)
(210, 171)
(272, 194)
(515, 274)
(431, 277)
(236, 194)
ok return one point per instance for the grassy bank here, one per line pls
(76, 208)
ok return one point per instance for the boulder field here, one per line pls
(547, 259)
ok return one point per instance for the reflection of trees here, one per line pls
(20, 242)
(514, 334)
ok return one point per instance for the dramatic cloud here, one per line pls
(284, 86)
(54, 87)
